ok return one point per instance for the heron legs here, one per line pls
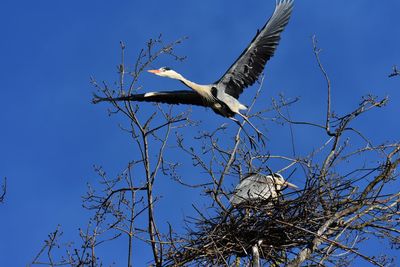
(260, 135)
(253, 142)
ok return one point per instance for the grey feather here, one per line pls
(250, 64)
(168, 97)
(257, 187)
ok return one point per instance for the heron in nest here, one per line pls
(257, 186)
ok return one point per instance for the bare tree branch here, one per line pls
(3, 190)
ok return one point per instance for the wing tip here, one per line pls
(287, 4)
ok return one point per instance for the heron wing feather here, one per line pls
(255, 186)
(169, 97)
(250, 64)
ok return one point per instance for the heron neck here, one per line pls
(196, 87)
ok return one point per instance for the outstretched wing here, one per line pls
(169, 97)
(248, 67)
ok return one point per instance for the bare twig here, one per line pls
(395, 72)
(3, 190)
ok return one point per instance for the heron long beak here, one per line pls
(154, 71)
(291, 185)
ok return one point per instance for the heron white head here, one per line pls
(280, 182)
(166, 72)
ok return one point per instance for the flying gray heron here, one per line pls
(222, 96)
(259, 187)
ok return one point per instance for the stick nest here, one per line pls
(276, 226)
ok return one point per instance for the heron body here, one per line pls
(259, 187)
(222, 95)
(211, 95)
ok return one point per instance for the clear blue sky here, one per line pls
(51, 134)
